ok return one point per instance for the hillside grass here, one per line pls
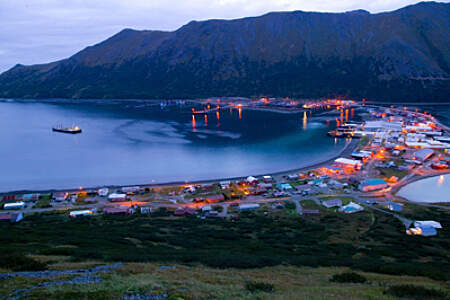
(369, 240)
(199, 282)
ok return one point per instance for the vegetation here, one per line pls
(416, 292)
(348, 277)
(20, 263)
(254, 287)
(199, 282)
(43, 202)
(370, 241)
(389, 172)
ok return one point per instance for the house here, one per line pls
(330, 170)
(351, 208)
(422, 230)
(146, 210)
(362, 154)
(117, 197)
(284, 186)
(103, 192)
(60, 196)
(423, 154)
(267, 179)
(206, 208)
(30, 197)
(224, 184)
(15, 205)
(9, 197)
(11, 217)
(248, 206)
(394, 206)
(189, 189)
(251, 180)
(215, 198)
(347, 163)
(80, 213)
(117, 211)
(265, 185)
(310, 212)
(131, 189)
(332, 203)
(434, 224)
(372, 184)
(198, 200)
(257, 191)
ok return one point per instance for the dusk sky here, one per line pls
(40, 31)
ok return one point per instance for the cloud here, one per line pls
(39, 31)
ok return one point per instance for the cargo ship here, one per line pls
(72, 130)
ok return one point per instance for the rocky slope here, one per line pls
(400, 55)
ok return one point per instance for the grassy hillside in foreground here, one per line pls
(199, 282)
(370, 241)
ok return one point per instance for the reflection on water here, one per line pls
(431, 190)
(305, 121)
(133, 142)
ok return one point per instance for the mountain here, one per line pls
(396, 56)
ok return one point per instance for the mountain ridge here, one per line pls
(391, 55)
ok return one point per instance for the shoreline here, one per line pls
(346, 150)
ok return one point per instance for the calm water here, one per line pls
(136, 142)
(432, 190)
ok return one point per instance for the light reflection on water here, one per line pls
(138, 142)
(431, 190)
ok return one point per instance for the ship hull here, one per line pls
(70, 131)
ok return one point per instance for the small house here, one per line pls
(123, 211)
(103, 192)
(117, 197)
(215, 198)
(332, 203)
(351, 208)
(248, 206)
(372, 184)
(251, 180)
(60, 196)
(30, 197)
(267, 179)
(434, 224)
(206, 208)
(131, 189)
(348, 163)
(146, 210)
(422, 230)
(310, 212)
(80, 213)
(15, 205)
(394, 206)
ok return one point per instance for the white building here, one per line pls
(16, 205)
(248, 206)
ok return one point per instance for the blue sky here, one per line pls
(40, 31)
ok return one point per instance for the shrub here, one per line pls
(218, 208)
(350, 277)
(21, 263)
(415, 292)
(253, 287)
(290, 205)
